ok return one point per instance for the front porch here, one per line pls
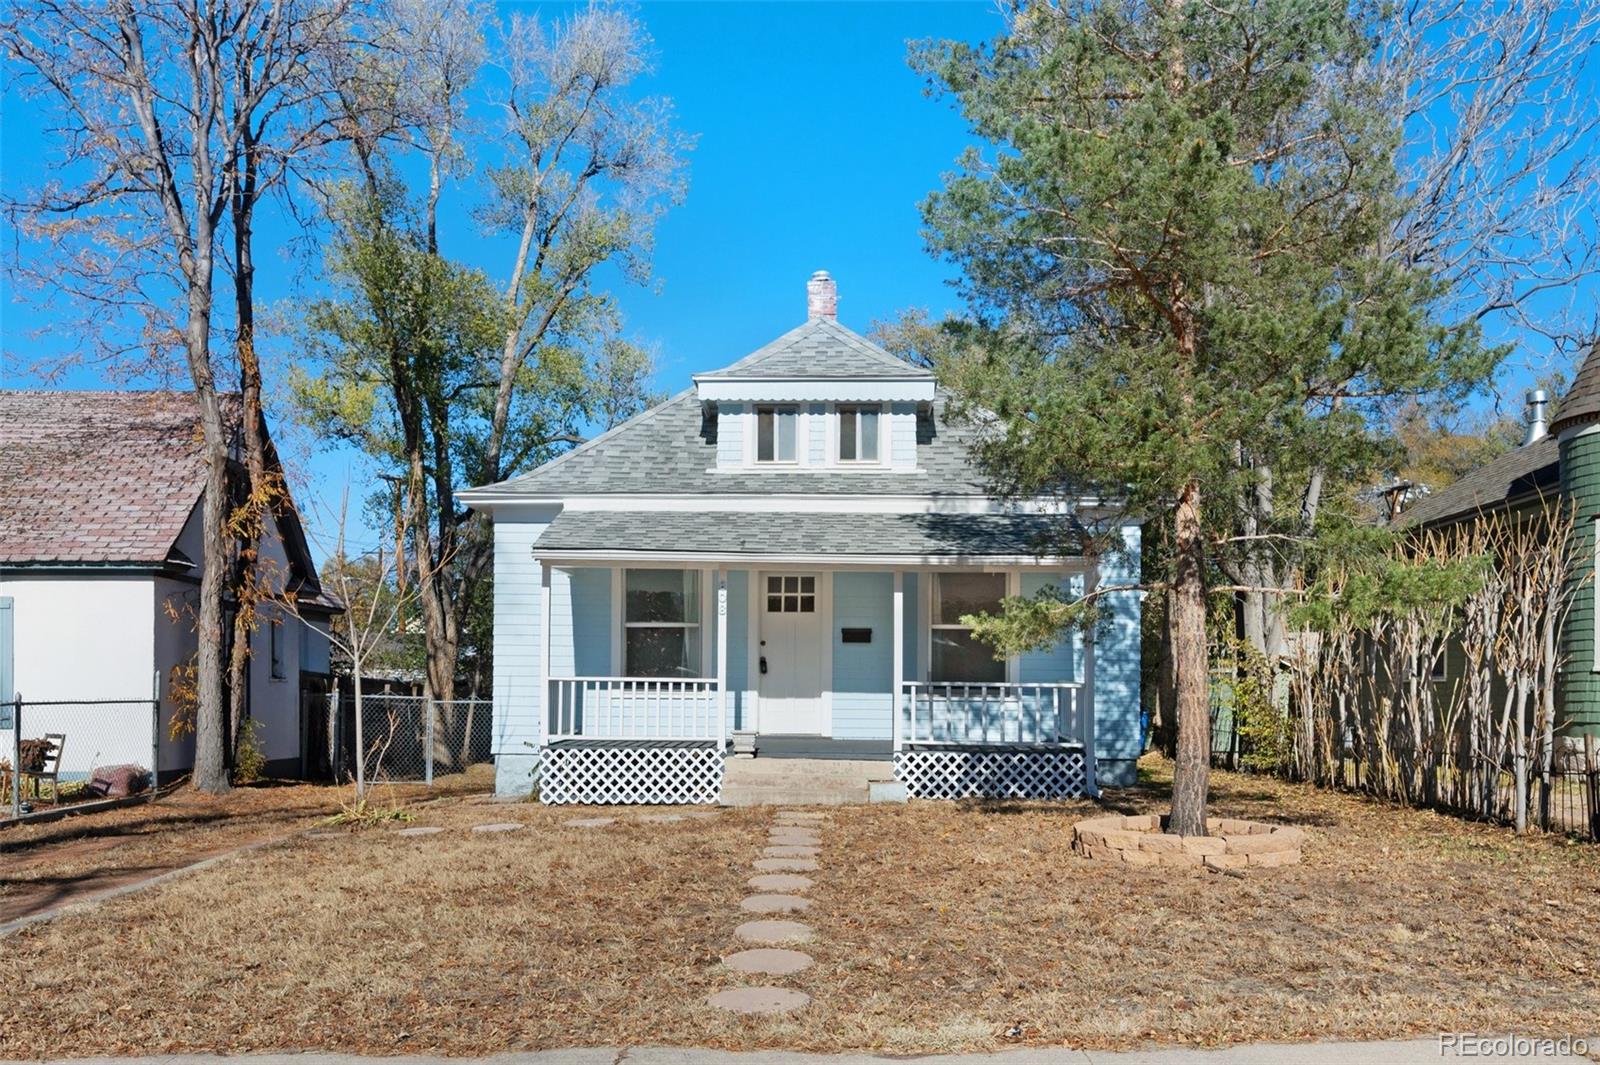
(831, 664)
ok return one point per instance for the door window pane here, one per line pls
(791, 595)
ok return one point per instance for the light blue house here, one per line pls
(786, 550)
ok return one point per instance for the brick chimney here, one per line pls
(822, 296)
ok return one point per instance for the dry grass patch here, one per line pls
(941, 927)
(45, 864)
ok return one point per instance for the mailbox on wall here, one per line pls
(856, 635)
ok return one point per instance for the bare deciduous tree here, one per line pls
(161, 107)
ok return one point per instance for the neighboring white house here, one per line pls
(780, 559)
(100, 554)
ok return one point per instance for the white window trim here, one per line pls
(836, 436)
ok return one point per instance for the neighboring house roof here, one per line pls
(1528, 471)
(718, 533)
(96, 477)
(99, 478)
(1582, 401)
(821, 348)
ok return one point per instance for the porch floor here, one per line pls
(824, 747)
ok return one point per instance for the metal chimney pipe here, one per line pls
(1538, 403)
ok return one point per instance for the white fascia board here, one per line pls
(1088, 508)
(815, 390)
(694, 558)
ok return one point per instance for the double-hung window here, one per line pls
(777, 431)
(957, 655)
(661, 623)
(858, 433)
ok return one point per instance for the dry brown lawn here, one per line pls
(940, 927)
(44, 864)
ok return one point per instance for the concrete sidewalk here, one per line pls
(1408, 1052)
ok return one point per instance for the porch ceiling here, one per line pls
(762, 535)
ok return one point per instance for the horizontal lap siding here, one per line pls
(863, 672)
(903, 435)
(1116, 662)
(516, 653)
(1579, 688)
(1062, 663)
(730, 435)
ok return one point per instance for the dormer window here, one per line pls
(777, 430)
(858, 433)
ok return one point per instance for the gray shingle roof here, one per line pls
(669, 450)
(1534, 467)
(822, 348)
(717, 533)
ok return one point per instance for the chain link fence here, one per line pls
(408, 737)
(61, 752)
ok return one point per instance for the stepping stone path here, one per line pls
(782, 882)
(591, 822)
(793, 845)
(420, 830)
(760, 1000)
(774, 904)
(498, 826)
(773, 932)
(661, 818)
(768, 961)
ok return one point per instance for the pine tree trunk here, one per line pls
(1192, 770)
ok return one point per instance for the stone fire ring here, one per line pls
(1231, 844)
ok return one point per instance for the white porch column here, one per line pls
(544, 654)
(898, 653)
(722, 657)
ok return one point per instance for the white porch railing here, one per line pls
(633, 708)
(975, 713)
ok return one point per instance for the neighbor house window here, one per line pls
(776, 431)
(858, 434)
(275, 638)
(957, 654)
(661, 623)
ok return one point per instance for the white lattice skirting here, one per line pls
(632, 774)
(943, 773)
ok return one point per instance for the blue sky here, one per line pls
(815, 144)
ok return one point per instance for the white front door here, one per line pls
(791, 651)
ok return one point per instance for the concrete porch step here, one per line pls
(800, 781)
